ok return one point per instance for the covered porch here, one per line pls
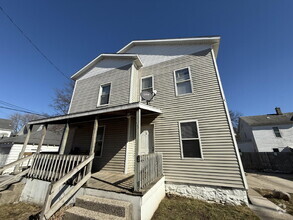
(83, 159)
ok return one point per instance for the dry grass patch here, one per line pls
(283, 204)
(174, 207)
(19, 211)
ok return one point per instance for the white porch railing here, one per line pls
(52, 167)
(150, 169)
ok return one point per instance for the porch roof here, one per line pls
(102, 113)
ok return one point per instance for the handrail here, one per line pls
(15, 163)
(49, 209)
(10, 180)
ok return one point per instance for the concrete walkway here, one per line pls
(265, 209)
(272, 181)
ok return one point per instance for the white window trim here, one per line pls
(190, 79)
(153, 84)
(199, 139)
(100, 93)
(103, 139)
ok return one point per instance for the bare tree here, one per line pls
(20, 120)
(235, 115)
(62, 99)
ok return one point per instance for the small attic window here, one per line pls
(277, 132)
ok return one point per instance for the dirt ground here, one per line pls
(19, 211)
(273, 181)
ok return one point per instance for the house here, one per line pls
(181, 142)
(10, 147)
(266, 133)
(5, 127)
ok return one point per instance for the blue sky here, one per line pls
(254, 60)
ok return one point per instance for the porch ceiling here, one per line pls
(102, 113)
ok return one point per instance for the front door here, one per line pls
(147, 139)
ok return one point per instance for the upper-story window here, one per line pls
(147, 84)
(104, 97)
(277, 132)
(183, 83)
(190, 140)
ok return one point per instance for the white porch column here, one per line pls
(137, 146)
(93, 142)
(64, 139)
(44, 131)
(16, 168)
(25, 142)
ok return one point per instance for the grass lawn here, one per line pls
(174, 207)
(19, 211)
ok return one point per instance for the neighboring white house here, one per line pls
(10, 147)
(5, 127)
(266, 133)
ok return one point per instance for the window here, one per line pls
(190, 142)
(99, 141)
(183, 81)
(276, 150)
(104, 94)
(277, 132)
(147, 84)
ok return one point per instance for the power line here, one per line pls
(14, 106)
(18, 110)
(33, 44)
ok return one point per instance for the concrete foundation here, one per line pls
(208, 193)
(143, 206)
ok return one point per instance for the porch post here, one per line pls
(137, 142)
(25, 142)
(44, 131)
(93, 142)
(16, 168)
(64, 139)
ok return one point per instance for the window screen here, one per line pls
(147, 84)
(105, 94)
(183, 81)
(190, 140)
(99, 141)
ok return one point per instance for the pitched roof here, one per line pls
(51, 138)
(269, 119)
(213, 40)
(5, 124)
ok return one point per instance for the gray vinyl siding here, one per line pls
(115, 139)
(219, 166)
(86, 91)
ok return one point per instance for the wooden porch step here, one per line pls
(91, 207)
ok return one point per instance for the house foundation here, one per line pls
(216, 194)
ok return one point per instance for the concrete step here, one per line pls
(77, 213)
(107, 206)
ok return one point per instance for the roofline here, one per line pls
(172, 40)
(80, 72)
(135, 105)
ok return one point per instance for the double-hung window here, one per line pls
(277, 132)
(183, 82)
(190, 140)
(99, 141)
(104, 97)
(147, 84)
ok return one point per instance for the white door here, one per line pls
(147, 139)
